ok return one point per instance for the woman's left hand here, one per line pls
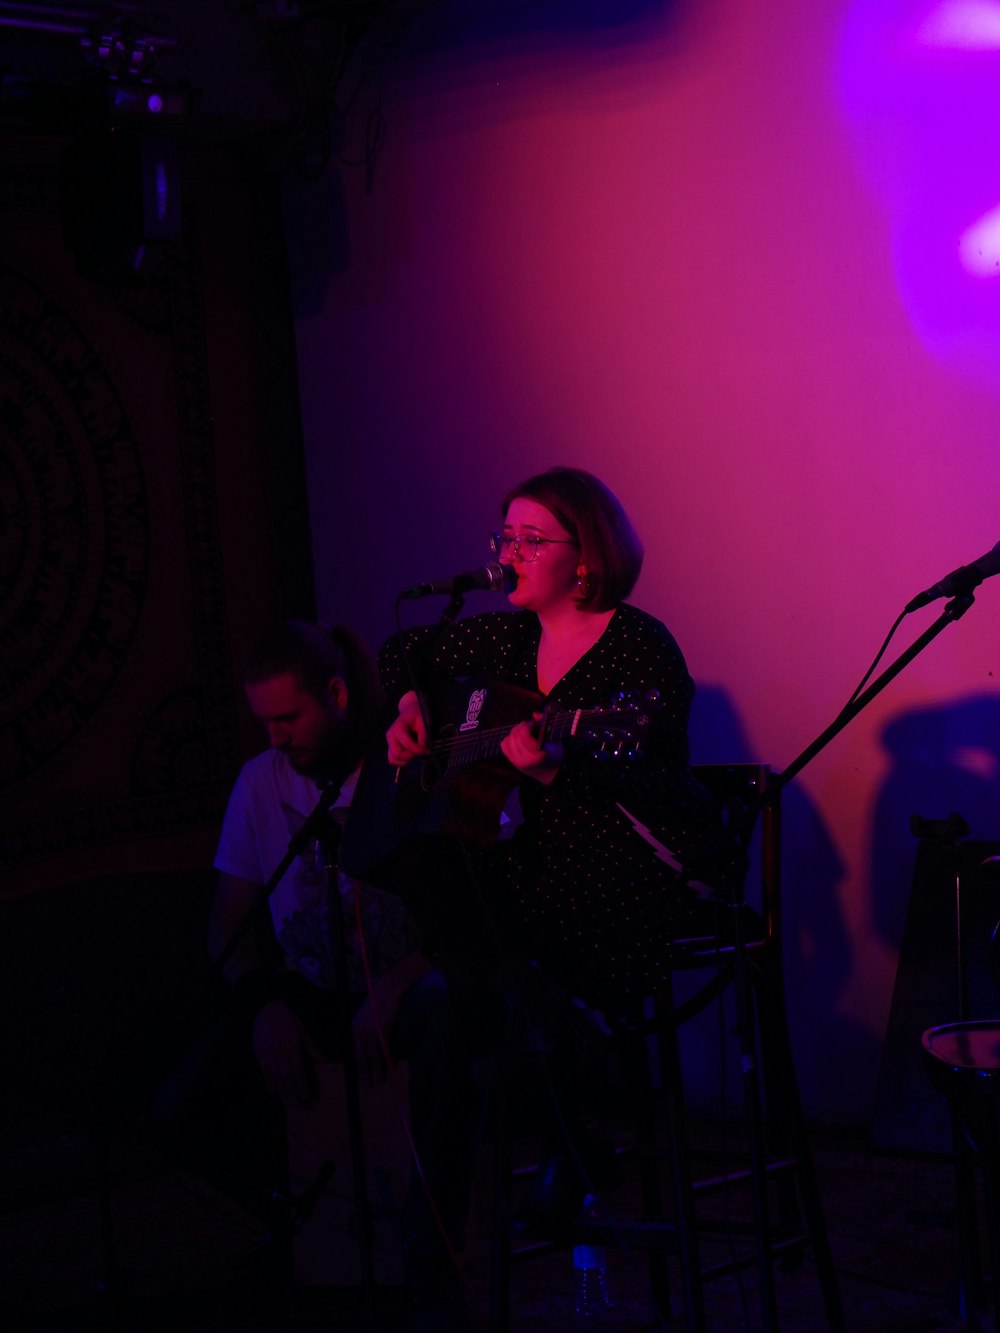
(522, 746)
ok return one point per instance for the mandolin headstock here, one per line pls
(618, 730)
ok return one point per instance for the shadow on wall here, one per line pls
(832, 1052)
(936, 899)
(943, 760)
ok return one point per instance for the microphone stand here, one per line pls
(329, 835)
(953, 611)
(320, 826)
(452, 611)
(771, 805)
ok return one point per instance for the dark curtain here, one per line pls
(152, 516)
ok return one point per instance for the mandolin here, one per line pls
(461, 786)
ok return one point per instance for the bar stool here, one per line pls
(962, 1061)
(786, 1218)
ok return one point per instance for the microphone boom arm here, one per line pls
(953, 611)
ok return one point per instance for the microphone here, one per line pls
(492, 577)
(960, 580)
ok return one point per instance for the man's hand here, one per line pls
(283, 1053)
(374, 1019)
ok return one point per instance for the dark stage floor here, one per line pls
(188, 1259)
(102, 992)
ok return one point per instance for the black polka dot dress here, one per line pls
(580, 887)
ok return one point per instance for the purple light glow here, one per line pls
(961, 25)
(920, 84)
(979, 246)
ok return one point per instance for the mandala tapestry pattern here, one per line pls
(74, 523)
(138, 546)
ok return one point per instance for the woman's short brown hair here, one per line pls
(610, 548)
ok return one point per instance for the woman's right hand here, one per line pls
(407, 736)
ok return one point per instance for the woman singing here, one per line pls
(579, 887)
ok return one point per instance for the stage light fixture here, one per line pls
(119, 191)
(156, 100)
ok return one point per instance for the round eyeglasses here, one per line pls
(524, 547)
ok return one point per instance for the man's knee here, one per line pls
(426, 1015)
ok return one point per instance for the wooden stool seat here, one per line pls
(963, 1051)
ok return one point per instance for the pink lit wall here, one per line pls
(724, 256)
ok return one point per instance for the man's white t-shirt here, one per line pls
(269, 804)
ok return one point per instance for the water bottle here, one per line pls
(590, 1269)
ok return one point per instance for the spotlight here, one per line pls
(148, 99)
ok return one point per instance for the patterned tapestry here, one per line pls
(143, 537)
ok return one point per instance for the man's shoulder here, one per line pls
(271, 770)
(264, 766)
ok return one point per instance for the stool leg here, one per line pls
(989, 1161)
(968, 1227)
(680, 1169)
(500, 1261)
(650, 1184)
(785, 1114)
